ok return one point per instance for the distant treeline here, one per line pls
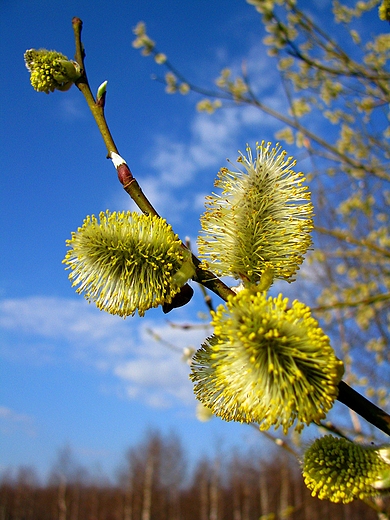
(154, 483)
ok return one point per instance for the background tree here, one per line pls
(152, 478)
(223, 485)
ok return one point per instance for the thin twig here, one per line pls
(345, 237)
(376, 298)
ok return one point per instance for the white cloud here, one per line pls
(159, 380)
(173, 161)
(58, 330)
(215, 135)
(158, 374)
(60, 319)
(164, 199)
(180, 164)
(11, 422)
(183, 164)
(72, 107)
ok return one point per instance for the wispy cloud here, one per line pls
(160, 382)
(52, 330)
(72, 107)
(174, 161)
(183, 166)
(158, 374)
(57, 318)
(12, 422)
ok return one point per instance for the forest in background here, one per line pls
(156, 482)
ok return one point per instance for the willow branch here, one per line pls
(347, 395)
(125, 176)
(338, 155)
(83, 85)
(276, 440)
(365, 408)
(349, 239)
(350, 304)
(252, 100)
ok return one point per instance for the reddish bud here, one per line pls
(124, 174)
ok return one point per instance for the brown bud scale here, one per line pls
(124, 174)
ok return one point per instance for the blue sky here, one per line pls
(71, 374)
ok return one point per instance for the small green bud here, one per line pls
(266, 279)
(160, 58)
(142, 41)
(186, 271)
(171, 82)
(184, 88)
(206, 105)
(203, 414)
(101, 91)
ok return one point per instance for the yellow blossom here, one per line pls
(50, 70)
(261, 221)
(338, 470)
(126, 262)
(266, 363)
